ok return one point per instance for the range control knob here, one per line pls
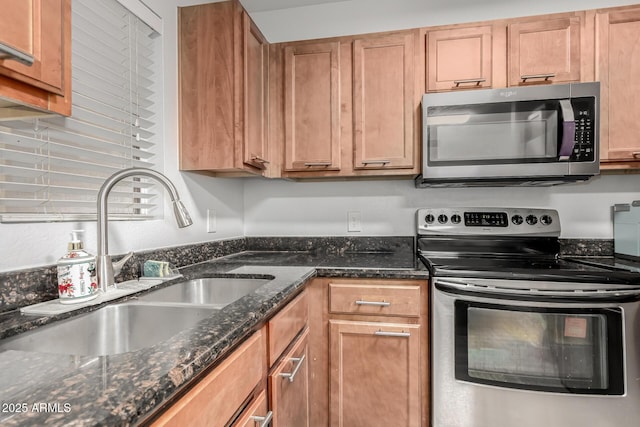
(517, 219)
(442, 219)
(429, 218)
(456, 219)
(546, 219)
(532, 220)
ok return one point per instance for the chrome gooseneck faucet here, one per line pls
(105, 268)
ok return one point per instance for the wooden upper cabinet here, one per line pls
(460, 58)
(312, 107)
(545, 50)
(223, 64)
(256, 73)
(39, 32)
(383, 102)
(17, 27)
(618, 68)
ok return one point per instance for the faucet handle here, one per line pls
(117, 266)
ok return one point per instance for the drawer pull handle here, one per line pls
(465, 81)
(317, 164)
(636, 154)
(537, 76)
(264, 421)
(291, 375)
(7, 52)
(382, 333)
(376, 162)
(376, 303)
(259, 159)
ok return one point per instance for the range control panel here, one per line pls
(488, 221)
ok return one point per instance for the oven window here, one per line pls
(561, 350)
(514, 132)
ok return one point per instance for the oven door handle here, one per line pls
(543, 295)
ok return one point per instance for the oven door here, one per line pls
(510, 356)
(552, 349)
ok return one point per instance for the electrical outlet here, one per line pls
(354, 221)
(211, 221)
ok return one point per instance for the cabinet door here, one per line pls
(223, 62)
(41, 29)
(618, 68)
(374, 374)
(215, 399)
(256, 63)
(547, 50)
(289, 385)
(17, 26)
(35, 27)
(460, 58)
(383, 110)
(312, 107)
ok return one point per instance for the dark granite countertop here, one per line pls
(123, 389)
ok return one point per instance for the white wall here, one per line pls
(388, 207)
(345, 17)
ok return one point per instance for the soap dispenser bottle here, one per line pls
(77, 281)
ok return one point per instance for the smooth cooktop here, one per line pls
(560, 269)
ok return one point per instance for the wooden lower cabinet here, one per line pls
(289, 386)
(257, 414)
(374, 374)
(369, 352)
(216, 399)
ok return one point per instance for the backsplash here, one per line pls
(30, 286)
(586, 247)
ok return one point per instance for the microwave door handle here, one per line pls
(568, 130)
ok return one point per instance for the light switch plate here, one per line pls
(354, 221)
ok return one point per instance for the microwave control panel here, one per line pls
(585, 144)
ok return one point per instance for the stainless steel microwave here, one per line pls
(530, 135)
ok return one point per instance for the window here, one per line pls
(51, 168)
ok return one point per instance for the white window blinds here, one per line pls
(51, 168)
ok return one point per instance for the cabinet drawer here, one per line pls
(255, 414)
(289, 386)
(285, 325)
(393, 299)
(215, 399)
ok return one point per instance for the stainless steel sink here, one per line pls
(211, 291)
(110, 330)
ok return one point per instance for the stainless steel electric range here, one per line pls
(519, 335)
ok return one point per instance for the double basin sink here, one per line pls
(151, 319)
